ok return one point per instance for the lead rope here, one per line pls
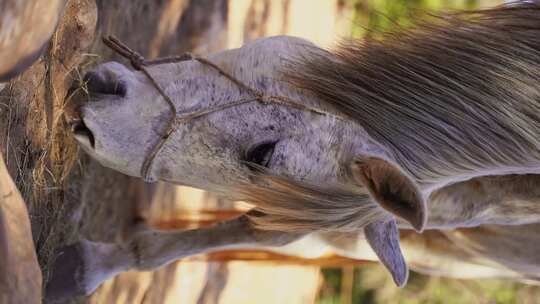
(138, 62)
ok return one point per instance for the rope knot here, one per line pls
(262, 98)
(137, 60)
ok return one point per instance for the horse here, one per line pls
(430, 128)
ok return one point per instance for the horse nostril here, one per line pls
(101, 83)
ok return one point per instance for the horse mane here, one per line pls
(454, 94)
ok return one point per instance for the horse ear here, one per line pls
(383, 237)
(391, 189)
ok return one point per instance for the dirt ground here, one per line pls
(70, 196)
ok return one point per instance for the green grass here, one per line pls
(372, 284)
(371, 17)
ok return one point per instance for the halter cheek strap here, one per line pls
(138, 62)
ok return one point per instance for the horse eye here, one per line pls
(261, 154)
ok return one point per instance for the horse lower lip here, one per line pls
(74, 100)
(81, 132)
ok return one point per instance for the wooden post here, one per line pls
(20, 275)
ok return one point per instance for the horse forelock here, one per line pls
(285, 204)
(454, 95)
